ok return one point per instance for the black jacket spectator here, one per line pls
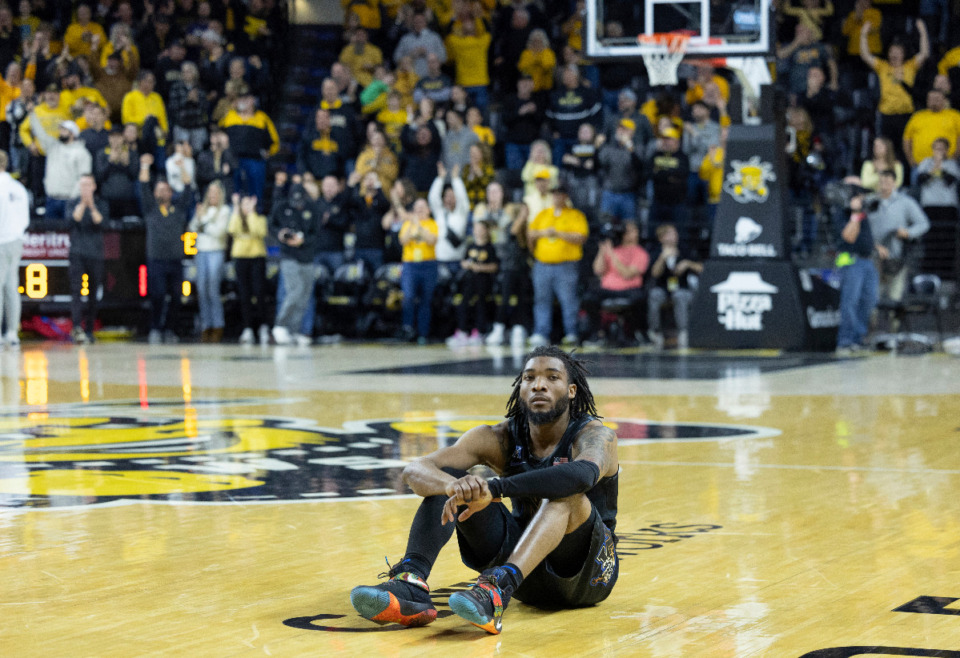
(298, 213)
(117, 182)
(168, 68)
(572, 105)
(95, 140)
(216, 165)
(165, 231)
(421, 152)
(154, 38)
(86, 236)
(115, 169)
(522, 127)
(669, 172)
(187, 106)
(367, 212)
(9, 41)
(334, 220)
(323, 148)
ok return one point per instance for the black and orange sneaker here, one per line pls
(482, 605)
(403, 599)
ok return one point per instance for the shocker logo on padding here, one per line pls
(749, 180)
(116, 453)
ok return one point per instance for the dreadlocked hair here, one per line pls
(582, 404)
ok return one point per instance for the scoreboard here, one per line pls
(44, 283)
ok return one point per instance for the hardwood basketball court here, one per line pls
(222, 501)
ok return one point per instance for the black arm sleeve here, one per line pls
(554, 482)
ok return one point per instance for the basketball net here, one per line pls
(662, 55)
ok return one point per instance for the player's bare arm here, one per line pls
(482, 445)
(598, 444)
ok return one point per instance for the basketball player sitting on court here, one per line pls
(558, 465)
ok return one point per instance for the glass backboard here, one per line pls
(717, 28)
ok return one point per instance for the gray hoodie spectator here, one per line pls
(67, 159)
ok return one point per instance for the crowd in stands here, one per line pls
(469, 140)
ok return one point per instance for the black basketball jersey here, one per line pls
(603, 495)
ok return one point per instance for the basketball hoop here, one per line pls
(662, 54)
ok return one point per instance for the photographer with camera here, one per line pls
(293, 222)
(859, 282)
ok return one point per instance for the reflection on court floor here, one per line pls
(769, 505)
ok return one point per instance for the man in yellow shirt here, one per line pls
(50, 113)
(468, 50)
(926, 126)
(863, 13)
(144, 107)
(73, 95)
(555, 237)
(9, 87)
(361, 57)
(83, 36)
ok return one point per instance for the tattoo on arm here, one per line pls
(598, 444)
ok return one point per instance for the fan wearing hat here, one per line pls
(555, 237)
(669, 169)
(67, 161)
(627, 109)
(542, 195)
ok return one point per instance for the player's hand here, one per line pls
(468, 489)
(453, 504)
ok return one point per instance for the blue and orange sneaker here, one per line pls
(403, 599)
(482, 605)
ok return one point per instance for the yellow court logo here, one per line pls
(66, 459)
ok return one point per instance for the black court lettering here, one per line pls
(846, 652)
(307, 624)
(930, 605)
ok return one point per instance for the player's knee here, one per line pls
(569, 501)
(576, 509)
